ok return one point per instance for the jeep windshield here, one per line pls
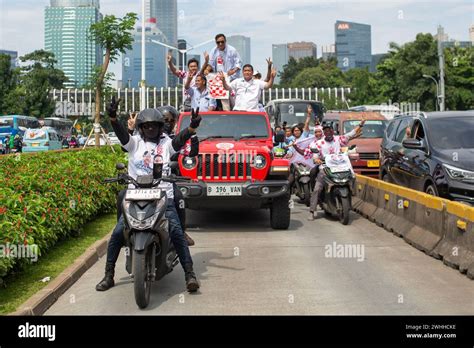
(236, 126)
(295, 112)
(371, 129)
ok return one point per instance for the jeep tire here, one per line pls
(280, 212)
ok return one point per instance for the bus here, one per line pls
(16, 124)
(63, 126)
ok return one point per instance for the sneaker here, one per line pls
(189, 239)
(311, 216)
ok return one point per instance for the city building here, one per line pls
(303, 49)
(328, 51)
(242, 45)
(471, 33)
(280, 58)
(376, 58)
(155, 64)
(353, 45)
(13, 55)
(67, 24)
(166, 14)
(447, 42)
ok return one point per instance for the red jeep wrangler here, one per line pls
(236, 167)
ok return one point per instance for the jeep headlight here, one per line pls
(260, 162)
(189, 162)
(459, 174)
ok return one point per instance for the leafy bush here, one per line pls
(48, 196)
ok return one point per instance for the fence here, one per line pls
(81, 102)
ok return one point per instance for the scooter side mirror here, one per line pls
(120, 166)
(352, 147)
(314, 150)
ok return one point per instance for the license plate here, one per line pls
(142, 194)
(373, 164)
(224, 190)
(35, 144)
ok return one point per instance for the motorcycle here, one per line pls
(302, 185)
(150, 253)
(336, 196)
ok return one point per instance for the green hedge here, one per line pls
(47, 196)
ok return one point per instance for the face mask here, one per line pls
(152, 133)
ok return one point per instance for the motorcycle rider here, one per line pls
(142, 148)
(307, 153)
(329, 145)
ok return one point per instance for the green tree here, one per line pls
(363, 86)
(114, 35)
(294, 67)
(7, 82)
(35, 81)
(326, 74)
(459, 78)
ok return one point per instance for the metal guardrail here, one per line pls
(81, 102)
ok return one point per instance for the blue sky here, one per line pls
(265, 21)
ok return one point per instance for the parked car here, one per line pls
(42, 139)
(365, 157)
(292, 111)
(431, 152)
(113, 138)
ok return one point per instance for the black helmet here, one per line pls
(168, 109)
(149, 115)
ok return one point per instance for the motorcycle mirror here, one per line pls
(352, 147)
(314, 150)
(120, 166)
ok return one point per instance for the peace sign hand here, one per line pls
(113, 107)
(132, 121)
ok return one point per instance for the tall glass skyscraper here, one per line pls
(166, 14)
(242, 45)
(155, 63)
(280, 58)
(353, 45)
(67, 24)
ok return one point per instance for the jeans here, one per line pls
(318, 187)
(117, 240)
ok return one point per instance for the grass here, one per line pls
(22, 285)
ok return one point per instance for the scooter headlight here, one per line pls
(145, 224)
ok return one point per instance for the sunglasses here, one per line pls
(150, 126)
(220, 42)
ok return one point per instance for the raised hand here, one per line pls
(113, 107)
(206, 57)
(195, 119)
(269, 61)
(132, 120)
(274, 72)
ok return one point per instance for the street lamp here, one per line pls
(437, 89)
(143, 83)
(183, 52)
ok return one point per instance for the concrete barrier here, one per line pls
(436, 226)
(457, 245)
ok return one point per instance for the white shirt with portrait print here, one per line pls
(247, 93)
(141, 155)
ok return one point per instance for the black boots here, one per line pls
(191, 282)
(108, 281)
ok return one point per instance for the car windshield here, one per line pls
(451, 133)
(230, 126)
(372, 128)
(6, 122)
(35, 134)
(293, 113)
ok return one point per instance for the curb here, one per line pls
(40, 302)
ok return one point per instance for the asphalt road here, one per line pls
(313, 268)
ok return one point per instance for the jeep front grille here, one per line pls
(225, 166)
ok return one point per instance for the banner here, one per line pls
(216, 87)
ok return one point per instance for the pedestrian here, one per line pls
(225, 58)
(247, 89)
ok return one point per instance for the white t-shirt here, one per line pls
(141, 155)
(247, 93)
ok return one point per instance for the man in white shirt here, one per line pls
(200, 96)
(248, 89)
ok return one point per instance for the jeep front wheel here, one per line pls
(280, 213)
